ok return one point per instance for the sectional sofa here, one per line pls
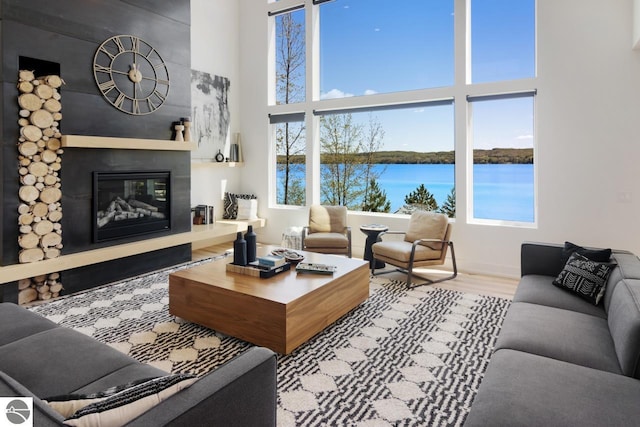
(561, 360)
(42, 360)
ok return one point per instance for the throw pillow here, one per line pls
(67, 404)
(247, 209)
(125, 405)
(585, 278)
(231, 204)
(598, 255)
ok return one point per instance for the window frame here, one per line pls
(460, 92)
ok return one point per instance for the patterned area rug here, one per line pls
(404, 357)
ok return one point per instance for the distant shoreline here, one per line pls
(494, 156)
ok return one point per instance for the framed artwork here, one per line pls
(209, 114)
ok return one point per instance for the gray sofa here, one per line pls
(560, 360)
(38, 359)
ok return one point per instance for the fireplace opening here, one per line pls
(129, 204)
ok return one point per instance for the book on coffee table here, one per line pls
(307, 267)
(253, 270)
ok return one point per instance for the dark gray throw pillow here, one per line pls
(598, 255)
(584, 277)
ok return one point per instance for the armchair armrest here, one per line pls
(389, 232)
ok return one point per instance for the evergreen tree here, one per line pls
(422, 198)
(376, 199)
(449, 206)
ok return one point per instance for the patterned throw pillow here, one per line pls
(231, 204)
(584, 277)
(124, 405)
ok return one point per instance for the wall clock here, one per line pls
(131, 75)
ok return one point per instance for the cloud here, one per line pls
(376, 29)
(370, 92)
(335, 93)
(419, 110)
(524, 137)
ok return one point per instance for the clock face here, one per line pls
(131, 75)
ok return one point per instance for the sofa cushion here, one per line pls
(584, 277)
(560, 334)
(521, 389)
(326, 240)
(624, 324)
(628, 267)
(538, 289)
(17, 323)
(43, 415)
(79, 360)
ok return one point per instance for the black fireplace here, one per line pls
(127, 204)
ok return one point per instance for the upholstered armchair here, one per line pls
(327, 231)
(424, 243)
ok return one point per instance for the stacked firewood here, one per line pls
(43, 287)
(40, 210)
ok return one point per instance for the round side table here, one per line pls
(372, 231)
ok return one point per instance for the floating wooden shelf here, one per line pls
(86, 141)
(221, 231)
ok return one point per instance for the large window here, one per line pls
(291, 161)
(503, 173)
(381, 82)
(382, 46)
(391, 160)
(290, 57)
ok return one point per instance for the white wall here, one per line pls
(587, 129)
(215, 50)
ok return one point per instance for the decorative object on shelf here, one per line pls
(250, 237)
(186, 122)
(231, 204)
(233, 153)
(131, 75)
(219, 157)
(39, 164)
(247, 209)
(240, 250)
(179, 128)
(210, 116)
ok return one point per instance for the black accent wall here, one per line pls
(67, 33)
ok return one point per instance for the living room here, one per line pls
(585, 104)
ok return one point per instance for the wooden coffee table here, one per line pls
(281, 312)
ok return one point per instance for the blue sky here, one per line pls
(381, 46)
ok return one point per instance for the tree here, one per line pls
(422, 198)
(346, 151)
(290, 136)
(449, 206)
(376, 199)
(372, 144)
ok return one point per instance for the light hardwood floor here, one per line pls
(472, 283)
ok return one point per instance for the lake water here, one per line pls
(502, 192)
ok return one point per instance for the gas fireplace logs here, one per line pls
(119, 210)
(40, 211)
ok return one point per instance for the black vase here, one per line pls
(250, 238)
(240, 250)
